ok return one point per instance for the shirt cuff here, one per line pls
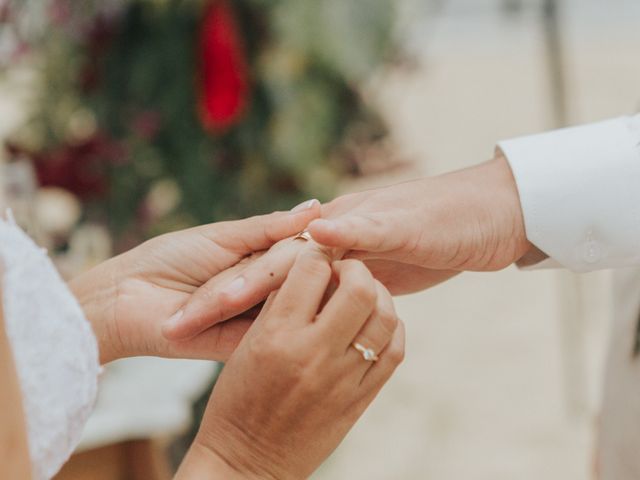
(580, 192)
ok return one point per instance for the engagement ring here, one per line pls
(303, 235)
(368, 354)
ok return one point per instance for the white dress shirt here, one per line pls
(580, 194)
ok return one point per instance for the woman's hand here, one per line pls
(129, 298)
(465, 220)
(295, 385)
(237, 289)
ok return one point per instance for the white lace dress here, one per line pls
(55, 351)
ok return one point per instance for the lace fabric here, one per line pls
(55, 351)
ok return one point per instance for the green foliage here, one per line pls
(305, 61)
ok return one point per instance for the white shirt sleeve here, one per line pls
(580, 192)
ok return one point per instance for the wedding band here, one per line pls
(303, 235)
(368, 354)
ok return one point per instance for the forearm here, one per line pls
(14, 450)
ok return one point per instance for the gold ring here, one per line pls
(303, 235)
(368, 354)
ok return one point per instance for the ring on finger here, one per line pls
(303, 235)
(368, 354)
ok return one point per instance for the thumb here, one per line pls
(261, 232)
(355, 232)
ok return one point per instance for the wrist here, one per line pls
(96, 291)
(508, 194)
(202, 463)
(478, 210)
(207, 463)
(241, 451)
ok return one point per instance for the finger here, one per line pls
(299, 299)
(352, 303)
(377, 331)
(372, 233)
(216, 343)
(261, 232)
(388, 361)
(234, 291)
(203, 310)
(257, 280)
(268, 303)
(379, 373)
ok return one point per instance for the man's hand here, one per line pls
(129, 298)
(411, 236)
(465, 220)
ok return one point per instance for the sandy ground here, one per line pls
(503, 370)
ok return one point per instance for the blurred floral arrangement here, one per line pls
(162, 114)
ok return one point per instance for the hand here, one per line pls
(239, 288)
(465, 220)
(412, 236)
(242, 287)
(295, 385)
(128, 298)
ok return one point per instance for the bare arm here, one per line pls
(14, 450)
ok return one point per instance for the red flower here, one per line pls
(223, 71)
(80, 168)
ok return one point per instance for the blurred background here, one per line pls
(123, 119)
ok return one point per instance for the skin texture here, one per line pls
(411, 236)
(295, 385)
(14, 450)
(129, 298)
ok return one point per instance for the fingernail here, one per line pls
(234, 287)
(305, 206)
(174, 320)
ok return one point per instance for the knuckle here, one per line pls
(262, 347)
(396, 355)
(224, 302)
(206, 293)
(389, 320)
(314, 262)
(272, 224)
(307, 384)
(271, 348)
(275, 347)
(361, 290)
(301, 372)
